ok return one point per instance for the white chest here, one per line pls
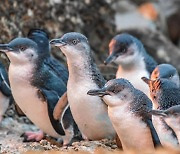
(134, 76)
(132, 131)
(89, 112)
(164, 134)
(27, 99)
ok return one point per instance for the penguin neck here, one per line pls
(131, 71)
(81, 67)
(134, 65)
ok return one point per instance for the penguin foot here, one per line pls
(54, 141)
(85, 137)
(32, 136)
(74, 139)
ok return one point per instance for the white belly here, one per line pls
(4, 103)
(132, 131)
(89, 112)
(135, 78)
(174, 123)
(26, 97)
(165, 135)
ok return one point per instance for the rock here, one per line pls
(93, 18)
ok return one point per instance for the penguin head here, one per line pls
(154, 86)
(72, 44)
(115, 90)
(20, 50)
(172, 111)
(41, 37)
(160, 88)
(124, 49)
(166, 71)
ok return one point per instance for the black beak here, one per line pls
(5, 48)
(57, 42)
(146, 80)
(158, 113)
(110, 58)
(98, 92)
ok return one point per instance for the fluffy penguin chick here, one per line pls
(166, 71)
(171, 117)
(128, 110)
(35, 87)
(90, 113)
(164, 94)
(132, 60)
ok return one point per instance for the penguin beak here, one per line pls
(57, 42)
(98, 92)
(5, 48)
(158, 113)
(146, 80)
(110, 58)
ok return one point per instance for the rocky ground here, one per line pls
(13, 126)
(11, 142)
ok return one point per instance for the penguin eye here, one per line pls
(170, 76)
(22, 48)
(123, 50)
(114, 91)
(74, 42)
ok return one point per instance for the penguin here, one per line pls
(164, 94)
(41, 37)
(171, 117)
(38, 90)
(128, 109)
(90, 113)
(5, 91)
(132, 59)
(166, 71)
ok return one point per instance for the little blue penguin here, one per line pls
(171, 117)
(128, 109)
(37, 89)
(166, 71)
(164, 94)
(5, 92)
(90, 113)
(132, 59)
(41, 37)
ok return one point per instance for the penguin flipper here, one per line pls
(51, 97)
(4, 86)
(154, 134)
(58, 68)
(60, 107)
